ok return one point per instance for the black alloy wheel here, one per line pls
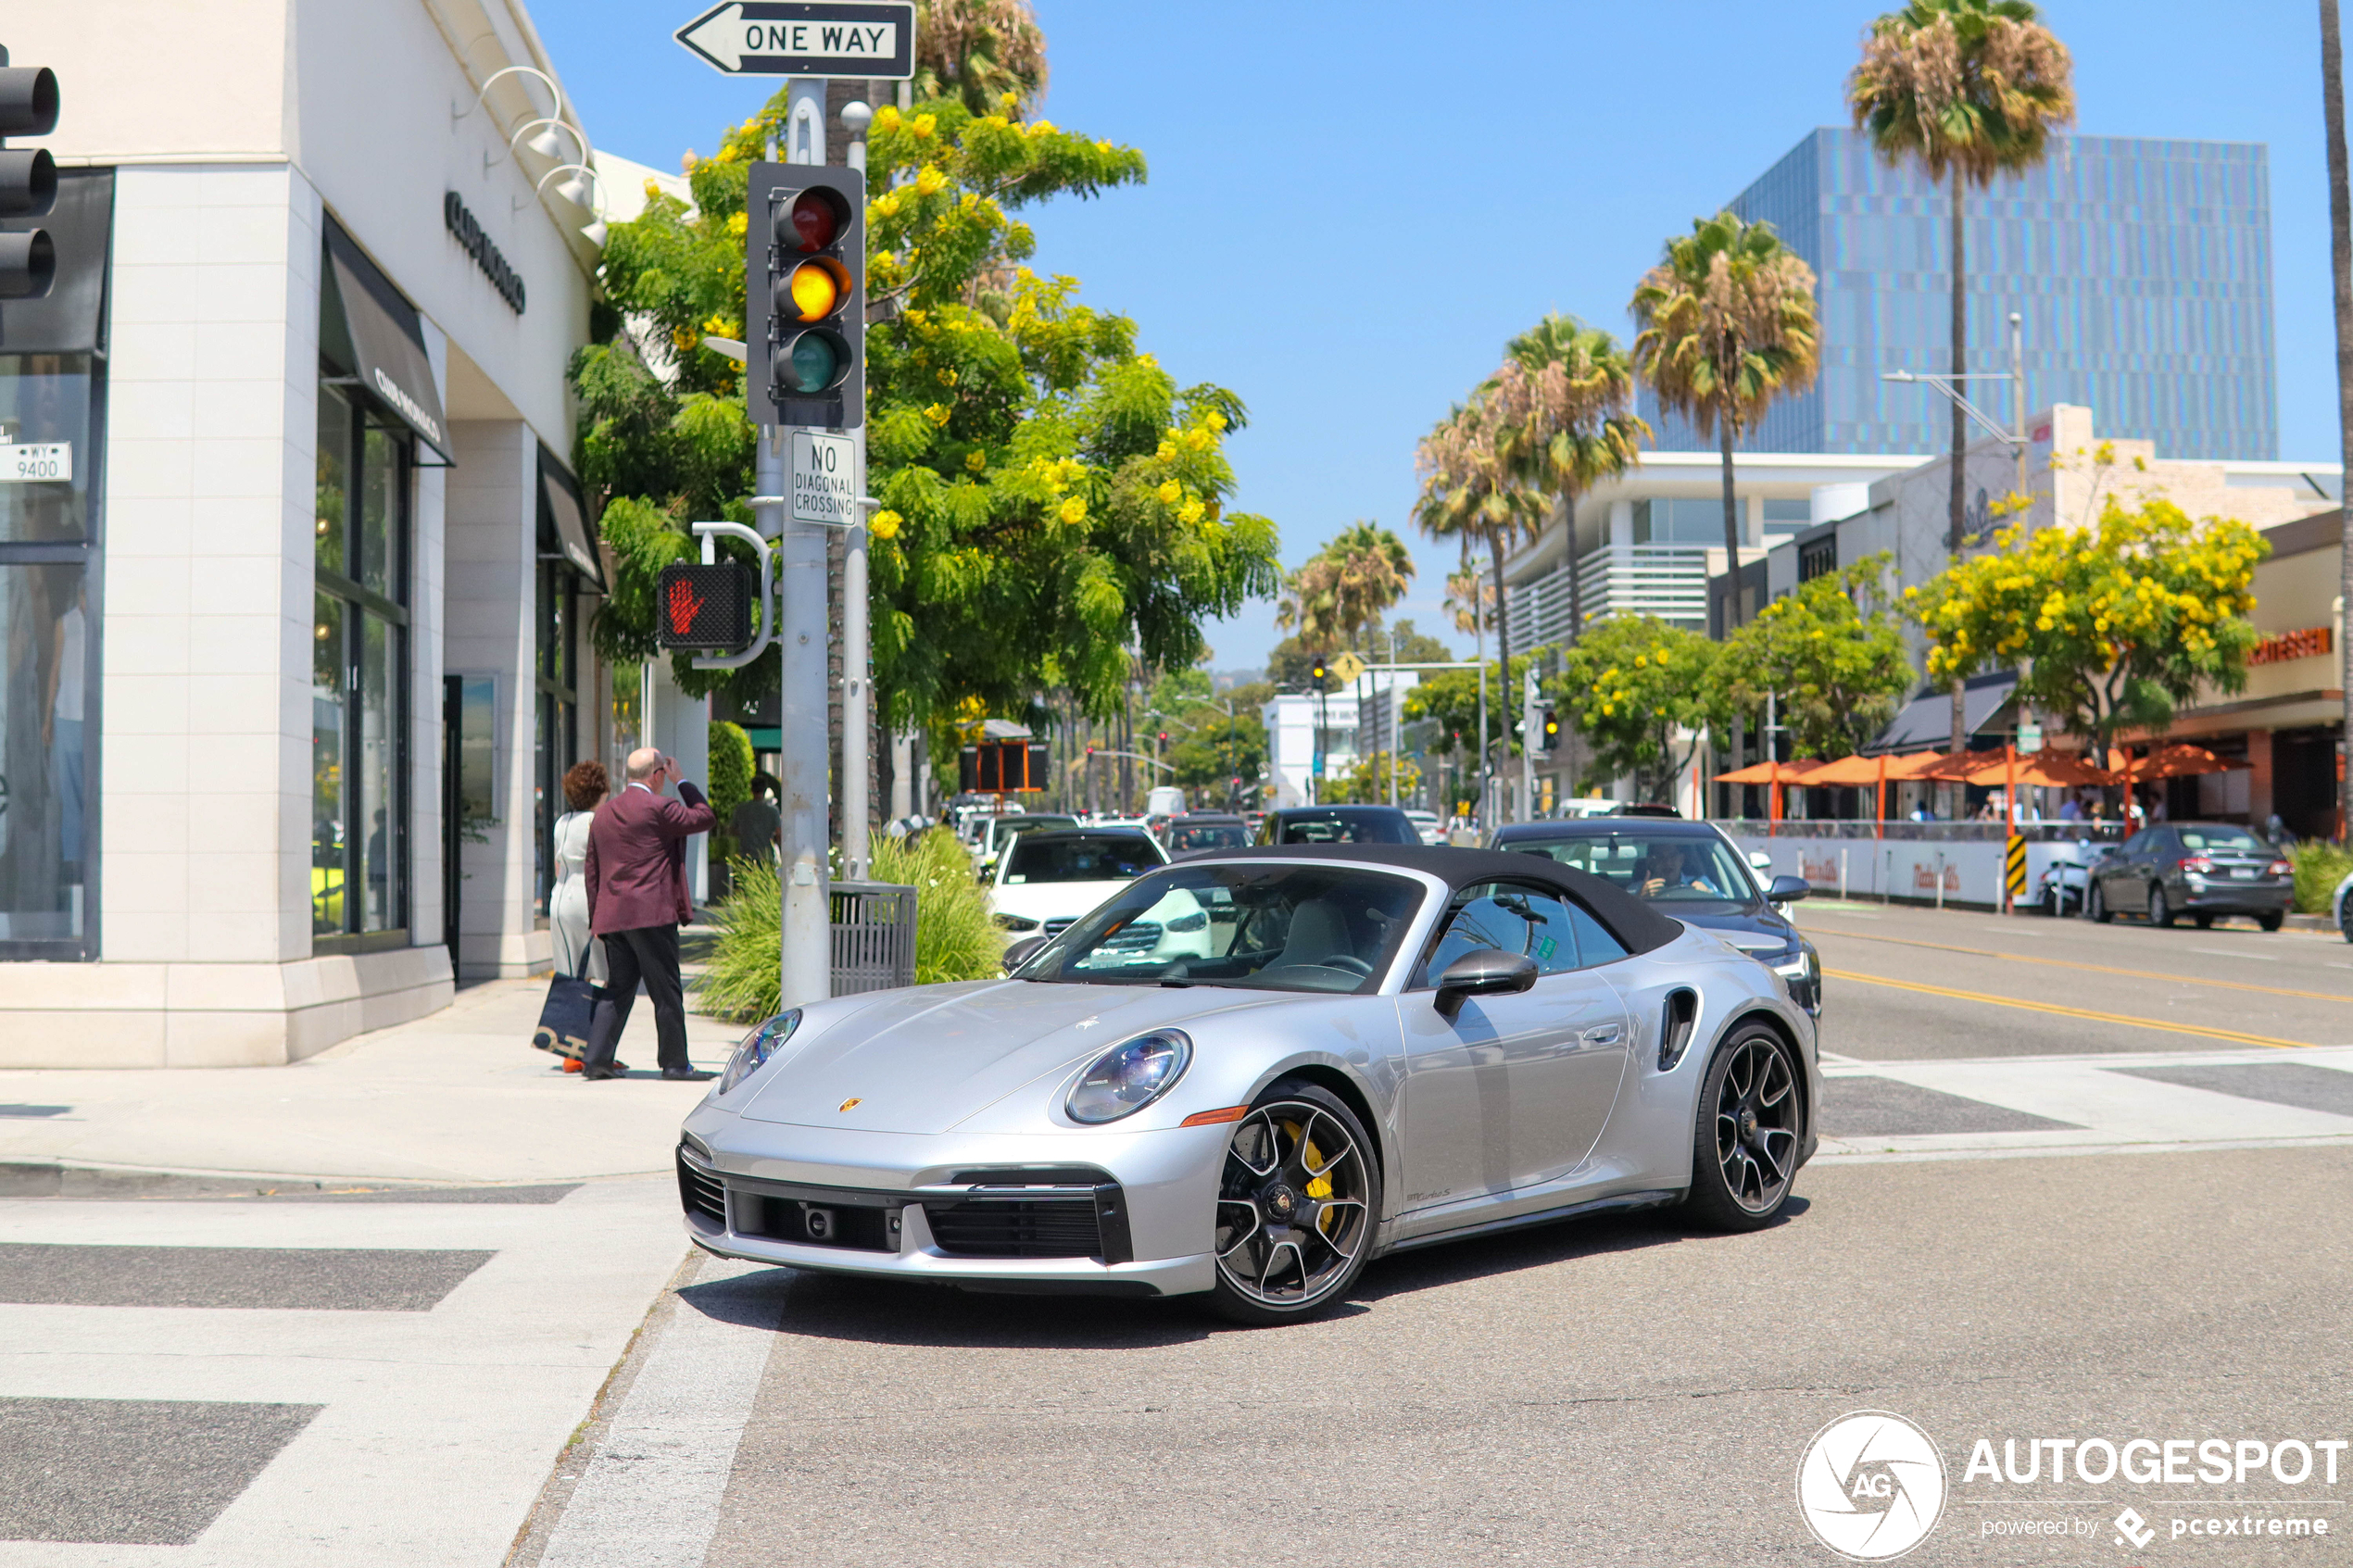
(2097, 908)
(1745, 1141)
(1296, 1207)
(2160, 909)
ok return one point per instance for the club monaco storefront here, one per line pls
(293, 599)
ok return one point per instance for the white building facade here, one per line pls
(294, 660)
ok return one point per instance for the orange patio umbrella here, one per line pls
(1774, 775)
(2177, 760)
(2044, 770)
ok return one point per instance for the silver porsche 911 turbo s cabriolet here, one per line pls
(1247, 1073)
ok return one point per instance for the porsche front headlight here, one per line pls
(758, 1047)
(1129, 1076)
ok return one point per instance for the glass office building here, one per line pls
(2141, 268)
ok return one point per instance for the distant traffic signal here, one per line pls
(1316, 674)
(27, 178)
(1548, 729)
(805, 299)
(704, 606)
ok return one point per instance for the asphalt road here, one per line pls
(2029, 985)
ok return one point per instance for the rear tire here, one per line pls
(1286, 1250)
(2271, 921)
(1746, 1133)
(2160, 909)
(2097, 906)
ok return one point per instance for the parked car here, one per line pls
(1197, 832)
(2201, 870)
(1337, 824)
(1396, 1045)
(1692, 871)
(998, 832)
(1428, 825)
(1047, 879)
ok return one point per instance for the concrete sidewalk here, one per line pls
(461, 1097)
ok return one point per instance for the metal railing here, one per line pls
(1931, 832)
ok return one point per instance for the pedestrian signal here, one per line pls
(704, 606)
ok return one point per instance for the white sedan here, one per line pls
(1048, 880)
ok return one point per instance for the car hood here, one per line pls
(932, 1057)
(1756, 933)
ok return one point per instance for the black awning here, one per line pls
(386, 340)
(562, 493)
(68, 319)
(1925, 724)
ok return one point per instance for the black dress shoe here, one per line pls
(593, 1074)
(685, 1075)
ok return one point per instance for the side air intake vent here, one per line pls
(1674, 1028)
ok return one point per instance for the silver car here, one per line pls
(1385, 1046)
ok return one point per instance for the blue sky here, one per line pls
(1351, 207)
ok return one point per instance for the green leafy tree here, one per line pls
(1726, 325)
(1209, 748)
(977, 51)
(1054, 504)
(1449, 698)
(1832, 655)
(1965, 89)
(1646, 695)
(2109, 626)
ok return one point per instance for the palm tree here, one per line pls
(2341, 260)
(1726, 326)
(1346, 586)
(1965, 89)
(977, 51)
(1567, 391)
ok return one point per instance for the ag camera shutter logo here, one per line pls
(1871, 1486)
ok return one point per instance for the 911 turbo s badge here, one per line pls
(853, 1099)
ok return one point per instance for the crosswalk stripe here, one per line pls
(2125, 1018)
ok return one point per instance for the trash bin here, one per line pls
(874, 936)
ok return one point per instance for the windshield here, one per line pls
(2227, 840)
(1109, 857)
(1382, 827)
(1206, 835)
(1263, 927)
(1003, 829)
(1691, 873)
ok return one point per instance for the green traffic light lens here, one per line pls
(811, 365)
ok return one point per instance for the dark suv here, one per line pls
(1339, 825)
(2201, 870)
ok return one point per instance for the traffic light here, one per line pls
(1164, 740)
(805, 295)
(1316, 672)
(27, 178)
(704, 606)
(1548, 729)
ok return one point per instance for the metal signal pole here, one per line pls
(801, 617)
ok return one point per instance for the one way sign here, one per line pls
(850, 38)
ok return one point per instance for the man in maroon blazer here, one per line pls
(636, 875)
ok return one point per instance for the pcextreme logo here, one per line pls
(1871, 1486)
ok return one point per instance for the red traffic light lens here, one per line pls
(815, 219)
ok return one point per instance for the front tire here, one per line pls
(2097, 906)
(1746, 1137)
(1297, 1202)
(2160, 910)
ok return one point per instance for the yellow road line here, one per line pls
(2094, 968)
(2124, 1018)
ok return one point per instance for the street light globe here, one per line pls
(856, 116)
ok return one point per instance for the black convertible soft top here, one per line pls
(1637, 925)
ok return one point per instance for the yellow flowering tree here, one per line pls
(1644, 695)
(2110, 625)
(1054, 506)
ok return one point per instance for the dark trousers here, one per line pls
(649, 953)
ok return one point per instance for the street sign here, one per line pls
(1347, 667)
(869, 39)
(824, 482)
(2029, 738)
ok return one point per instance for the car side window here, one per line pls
(1595, 946)
(1508, 918)
(2136, 844)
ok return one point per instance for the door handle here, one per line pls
(1604, 1034)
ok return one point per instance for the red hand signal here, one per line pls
(684, 605)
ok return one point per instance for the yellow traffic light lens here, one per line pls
(815, 288)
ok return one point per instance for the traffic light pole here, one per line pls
(1528, 739)
(802, 627)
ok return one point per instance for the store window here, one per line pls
(556, 676)
(360, 676)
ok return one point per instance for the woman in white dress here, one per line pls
(577, 953)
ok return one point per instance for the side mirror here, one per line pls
(1786, 889)
(1485, 972)
(1760, 860)
(1021, 952)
